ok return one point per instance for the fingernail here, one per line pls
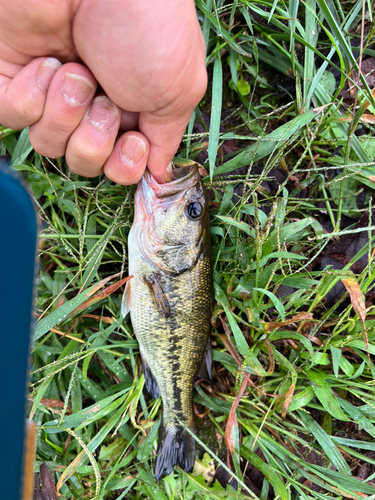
(76, 89)
(132, 150)
(102, 113)
(168, 173)
(46, 70)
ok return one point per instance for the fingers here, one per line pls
(23, 97)
(57, 103)
(92, 142)
(92, 145)
(128, 160)
(164, 134)
(69, 95)
(164, 128)
(155, 146)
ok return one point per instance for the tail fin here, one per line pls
(176, 447)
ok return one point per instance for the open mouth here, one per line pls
(183, 173)
(182, 178)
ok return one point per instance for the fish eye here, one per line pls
(194, 210)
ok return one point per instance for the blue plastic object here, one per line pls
(18, 244)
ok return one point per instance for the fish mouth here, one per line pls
(182, 178)
(151, 194)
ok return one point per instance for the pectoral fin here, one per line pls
(126, 298)
(205, 368)
(158, 295)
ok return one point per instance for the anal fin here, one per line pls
(150, 381)
(205, 368)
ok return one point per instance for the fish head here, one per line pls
(171, 223)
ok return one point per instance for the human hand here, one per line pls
(148, 56)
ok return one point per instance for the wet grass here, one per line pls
(291, 177)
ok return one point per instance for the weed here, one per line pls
(291, 176)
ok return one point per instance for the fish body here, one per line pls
(169, 299)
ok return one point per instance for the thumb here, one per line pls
(164, 132)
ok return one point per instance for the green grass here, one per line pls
(307, 416)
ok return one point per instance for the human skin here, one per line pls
(148, 56)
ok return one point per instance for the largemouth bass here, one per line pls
(169, 299)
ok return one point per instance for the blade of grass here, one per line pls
(217, 91)
(325, 442)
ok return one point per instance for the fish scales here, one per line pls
(173, 339)
(173, 347)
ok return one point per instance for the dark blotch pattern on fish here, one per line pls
(167, 243)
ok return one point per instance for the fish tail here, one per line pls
(176, 447)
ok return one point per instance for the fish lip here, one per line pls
(175, 186)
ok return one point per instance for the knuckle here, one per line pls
(44, 148)
(26, 110)
(60, 126)
(82, 168)
(85, 159)
(200, 86)
(9, 122)
(75, 168)
(87, 153)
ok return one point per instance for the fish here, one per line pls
(169, 298)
